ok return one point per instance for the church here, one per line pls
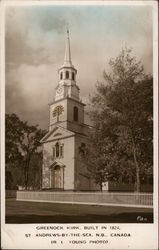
(62, 168)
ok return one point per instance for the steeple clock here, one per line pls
(67, 108)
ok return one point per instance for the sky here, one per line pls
(35, 43)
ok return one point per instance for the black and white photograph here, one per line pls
(79, 100)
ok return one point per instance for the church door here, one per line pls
(56, 177)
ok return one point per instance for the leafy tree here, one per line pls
(9, 180)
(22, 144)
(35, 173)
(13, 156)
(122, 115)
(29, 146)
(99, 155)
(13, 138)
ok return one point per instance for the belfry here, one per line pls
(62, 168)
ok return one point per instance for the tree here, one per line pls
(13, 138)
(29, 146)
(35, 173)
(22, 146)
(13, 156)
(122, 116)
(99, 158)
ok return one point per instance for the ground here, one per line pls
(41, 212)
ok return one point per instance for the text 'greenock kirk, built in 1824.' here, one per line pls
(62, 168)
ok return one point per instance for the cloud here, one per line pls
(26, 39)
(35, 43)
(29, 89)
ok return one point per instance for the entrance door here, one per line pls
(56, 177)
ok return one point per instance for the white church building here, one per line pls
(62, 168)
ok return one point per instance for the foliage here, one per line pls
(13, 138)
(29, 146)
(35, 175)
(22, 146)
(122, 115)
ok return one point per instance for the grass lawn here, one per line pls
(41, 212)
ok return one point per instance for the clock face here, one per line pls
(59, 90)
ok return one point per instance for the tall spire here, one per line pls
(67, 59)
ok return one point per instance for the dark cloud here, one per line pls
(35, 41)
(17, 50)
(18, 104)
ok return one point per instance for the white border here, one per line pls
(142, 231)
(155, 108)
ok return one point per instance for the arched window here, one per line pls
(61, 151)
(75, 114)
(73, 76)
(61, 75)
(54, 153)
(67, 74)
(57, 149)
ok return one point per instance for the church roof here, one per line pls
(56, 133)
(59, 132)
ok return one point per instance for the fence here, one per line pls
(96, 198)
(11, 193)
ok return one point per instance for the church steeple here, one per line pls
(67, 108)
(67, 58)
(67, 76)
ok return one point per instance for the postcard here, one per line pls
(79, 125)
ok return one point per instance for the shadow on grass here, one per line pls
(88, 218)
(22, 212)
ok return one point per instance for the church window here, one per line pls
(57, 149)
(75, 114)
(62, 151)
(73, 76)
(54, 152)
(61, 75)
(67, 74)
(58, 110)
